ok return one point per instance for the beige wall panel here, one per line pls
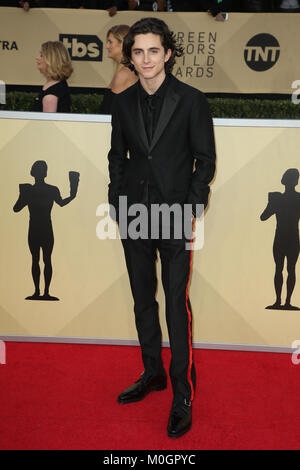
(232, 279)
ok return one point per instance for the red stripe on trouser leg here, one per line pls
(190, 322)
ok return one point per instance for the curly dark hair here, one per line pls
(154, 26)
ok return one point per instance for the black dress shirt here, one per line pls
(151, 106)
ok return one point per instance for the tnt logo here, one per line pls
(83, 46)
(262, 52)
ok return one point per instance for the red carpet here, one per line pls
(60, 396)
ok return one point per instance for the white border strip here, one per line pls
(107, 118)
(31, 116)
(134, 342)
(257, 122)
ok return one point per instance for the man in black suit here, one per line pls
(166, 128)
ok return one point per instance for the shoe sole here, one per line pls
(133, 400)
(179, 434)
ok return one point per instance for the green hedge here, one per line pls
(220, 107)
(253, 108)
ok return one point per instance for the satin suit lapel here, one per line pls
(169, 105)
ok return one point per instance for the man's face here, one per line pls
(148, 56)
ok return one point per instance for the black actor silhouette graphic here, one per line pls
(39, 198)
(286, 207)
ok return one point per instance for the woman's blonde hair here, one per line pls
(119, 31)
(57, 59)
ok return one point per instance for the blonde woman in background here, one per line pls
(123, 77)
(54, 63)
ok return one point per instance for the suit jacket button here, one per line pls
(149, 157)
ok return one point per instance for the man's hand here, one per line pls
(112, 11)
(161, 5)
(221, 16)
(25, 6)
(132, 4)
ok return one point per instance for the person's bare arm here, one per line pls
(50, 104)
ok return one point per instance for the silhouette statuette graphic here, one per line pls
(39, 198)
(286, 207)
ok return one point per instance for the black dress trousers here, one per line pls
(140, 256)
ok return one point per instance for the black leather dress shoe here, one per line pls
(180, 420)
(141, 388)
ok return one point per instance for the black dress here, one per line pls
(61, 90)
(106, 105)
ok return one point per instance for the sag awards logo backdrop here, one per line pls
(249, 53)
(251, 234)
(262, 52)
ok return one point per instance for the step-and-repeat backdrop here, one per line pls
(250, 226)
(249, 53)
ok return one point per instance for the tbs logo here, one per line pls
(83, 46)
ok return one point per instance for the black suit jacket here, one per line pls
(181, 154)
